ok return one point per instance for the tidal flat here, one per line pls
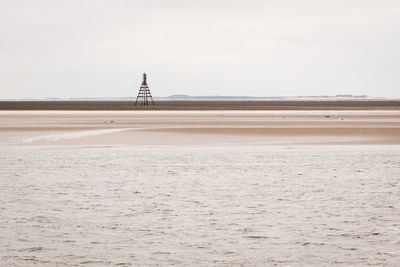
(199, 188)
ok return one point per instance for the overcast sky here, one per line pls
(99, 48)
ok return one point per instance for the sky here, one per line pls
(100, 48)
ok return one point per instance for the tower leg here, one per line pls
(144, 96)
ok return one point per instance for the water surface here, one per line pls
(209, 205)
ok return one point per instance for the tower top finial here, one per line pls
(144, 79)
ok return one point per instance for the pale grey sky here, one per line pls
(99, 48)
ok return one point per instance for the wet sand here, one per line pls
(198, 127)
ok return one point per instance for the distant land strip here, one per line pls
(205, 105)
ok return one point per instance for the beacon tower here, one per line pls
(144, 96)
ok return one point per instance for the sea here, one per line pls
(200, 205)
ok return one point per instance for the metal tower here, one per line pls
(144, 95)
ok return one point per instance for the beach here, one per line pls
(199, 127)
(203, 188)
(200, 122)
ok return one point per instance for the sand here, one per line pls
(198, 127)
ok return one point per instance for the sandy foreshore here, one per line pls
(199, 127)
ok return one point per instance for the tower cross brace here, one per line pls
(144, 96)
